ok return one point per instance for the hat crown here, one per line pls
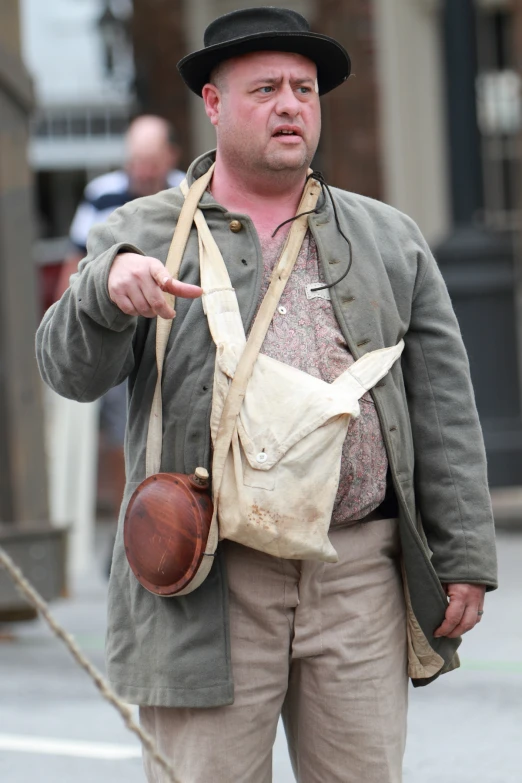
(264, 29)
(254, 21)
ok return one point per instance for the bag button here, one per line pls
(261, 457)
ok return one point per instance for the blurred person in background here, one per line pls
(326, 645)
(152, 154)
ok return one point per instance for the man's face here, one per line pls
(150, 156)
(267, 115)
(148, 171)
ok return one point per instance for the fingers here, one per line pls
(136, 285)
(452, 619)
(150, 302)
(126, 306)
(467, 621)
(171, 286)
(135, 297)
(462, 614)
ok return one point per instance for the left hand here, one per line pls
(462, 614)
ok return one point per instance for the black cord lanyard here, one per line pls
(324, 186)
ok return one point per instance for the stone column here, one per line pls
(24, 528)
(412, 111)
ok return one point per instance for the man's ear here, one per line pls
(212, 100)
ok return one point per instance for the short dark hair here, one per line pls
(218, 75)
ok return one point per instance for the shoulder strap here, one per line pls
(164, 325)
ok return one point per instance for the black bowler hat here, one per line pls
(265, 29)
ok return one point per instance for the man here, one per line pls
(151, 156)
(325, 645)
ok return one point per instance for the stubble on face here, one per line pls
(260, 94)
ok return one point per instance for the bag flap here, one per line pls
(373, 366)
(282, 405)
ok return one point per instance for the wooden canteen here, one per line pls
(166, 529)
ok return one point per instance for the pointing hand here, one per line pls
(136, 285)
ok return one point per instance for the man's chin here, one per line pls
(288, 160)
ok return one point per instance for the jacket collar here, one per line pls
(200, 166)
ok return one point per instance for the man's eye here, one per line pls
(304, 90)
(266, 90)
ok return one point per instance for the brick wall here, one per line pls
(159, 42)
(350, 154)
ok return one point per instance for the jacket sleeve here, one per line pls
(84, 343)
(450, 463)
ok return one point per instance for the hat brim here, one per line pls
(332, 60)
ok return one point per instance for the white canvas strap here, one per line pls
(163, 326)
(219, 298)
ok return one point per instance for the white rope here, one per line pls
(36, 600)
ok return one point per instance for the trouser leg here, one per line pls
(233, 744)
(345, 710)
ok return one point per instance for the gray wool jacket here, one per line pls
(176, 652)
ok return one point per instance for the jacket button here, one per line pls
(235, 226)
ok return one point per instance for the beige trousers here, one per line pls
(323, 645)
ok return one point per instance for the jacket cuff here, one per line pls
(488, 584)
(93, 290)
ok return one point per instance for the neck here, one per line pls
(267, 200)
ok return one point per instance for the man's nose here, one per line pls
(288, 102)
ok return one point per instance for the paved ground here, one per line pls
(55, 728)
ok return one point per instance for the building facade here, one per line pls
(82, 68)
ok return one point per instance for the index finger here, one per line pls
(185, 290)
(171, 286)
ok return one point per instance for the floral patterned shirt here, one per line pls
(305, 334)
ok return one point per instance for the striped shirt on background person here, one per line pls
(101, 197)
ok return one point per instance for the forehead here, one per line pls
(272, 65)
(146, 139)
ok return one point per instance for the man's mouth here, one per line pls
(287, 132)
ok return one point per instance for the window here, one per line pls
(499, 114)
